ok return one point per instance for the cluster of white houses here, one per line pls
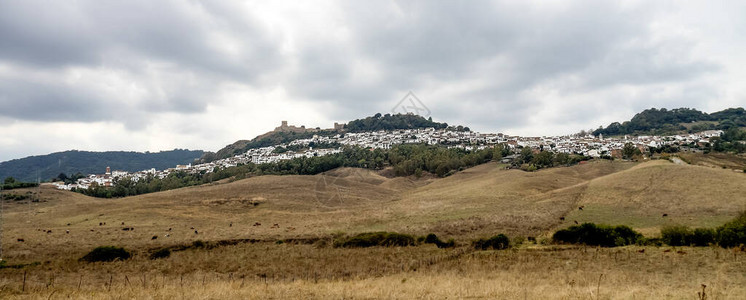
(588, 145)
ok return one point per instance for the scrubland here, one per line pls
(273, 236)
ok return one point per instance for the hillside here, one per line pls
(475, 202)
(285, 133)
(664, 122)
(86, 162)
(284, 225)
(639, 197)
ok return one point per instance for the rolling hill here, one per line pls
(478, 201)
(665, 122)
(284, 133)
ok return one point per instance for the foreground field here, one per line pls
(271, 271)
(271, 236)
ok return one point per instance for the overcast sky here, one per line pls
(157, 75)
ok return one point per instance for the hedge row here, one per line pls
(731, 234)
(598, 235)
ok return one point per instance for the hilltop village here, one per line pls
(588, 145)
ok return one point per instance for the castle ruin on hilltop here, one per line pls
(284, 127)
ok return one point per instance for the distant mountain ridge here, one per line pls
(87, 162)
(663, 122)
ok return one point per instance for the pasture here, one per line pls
(272, 236)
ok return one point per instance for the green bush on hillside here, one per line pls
(498, 242)
(676, 235)
(733, 233)
(381, 238)
(598, 235)
(433, 239)
(106, 253)
(161, 253)
(702, 237)
(683, 236)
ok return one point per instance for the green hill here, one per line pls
(678, 120)
(85, 162)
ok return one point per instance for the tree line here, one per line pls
(664, 122)
(10, 183)
(392, 122)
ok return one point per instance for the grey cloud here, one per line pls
(50, 102)
(512, 47)
(179, 54)
(55, 34)
(173, 49)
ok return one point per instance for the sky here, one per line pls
(142, 75)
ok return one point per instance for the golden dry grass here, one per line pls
(639, 197)
(479, 201)
(264, 270)
(716, 160)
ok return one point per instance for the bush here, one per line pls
(433, 239)
(702, 237)
(382, 238)
(162, 253)
(199, 244)
(733, 233)
(106, 253)
(676, 235)
(497, 242)
(597, 235)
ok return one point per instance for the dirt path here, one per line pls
(678, 161)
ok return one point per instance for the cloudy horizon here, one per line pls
(158, 75)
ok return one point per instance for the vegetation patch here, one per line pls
(16, 197)
(161, 253)
(684, 236)
(381, 238)
(433, 239)
(498, 242)
(598, 235)
(733, 233)
(106, 253)
(10, 183)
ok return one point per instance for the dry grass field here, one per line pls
(309, 212)
(733, 162)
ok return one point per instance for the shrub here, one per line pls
(381, 238)
(433, 239)
(106, 253)
(162, 253)
(199, 244)
(497, 242)
(676, 235)
(597, 235)
(733, 233)
(702, 237)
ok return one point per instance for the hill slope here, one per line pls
(285, 134)
(71, 162)
(663, 121)
(639, 197)
(479, 201)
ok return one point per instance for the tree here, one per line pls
(543, 159)
(629, 150)
(527, 155)
(9, 180)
